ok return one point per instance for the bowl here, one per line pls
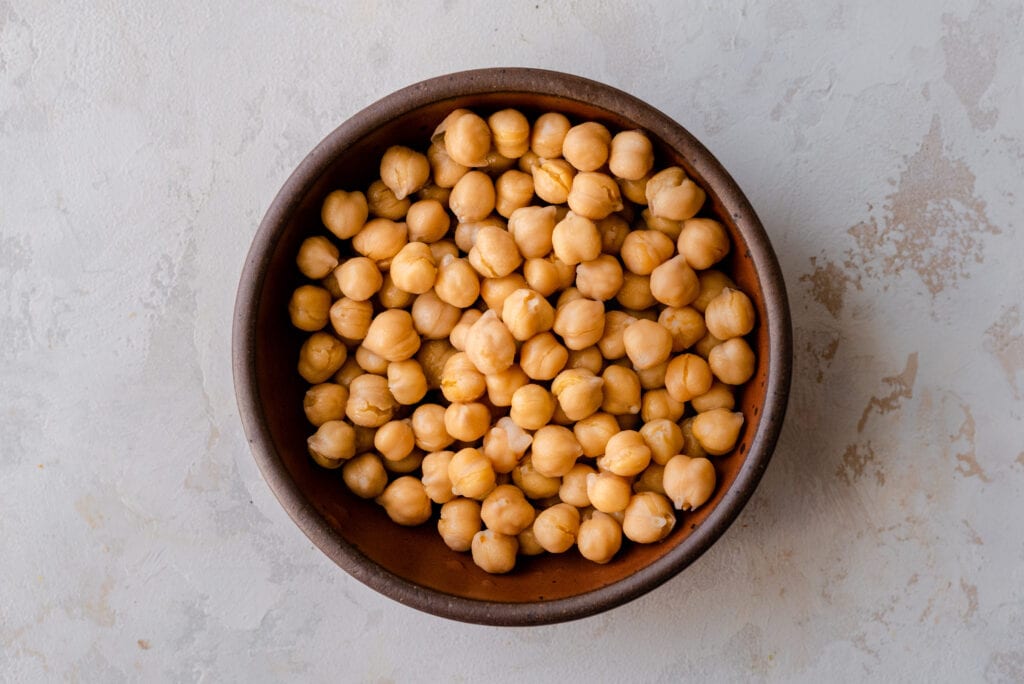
(412, 565)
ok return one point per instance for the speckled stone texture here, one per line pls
(882, 145)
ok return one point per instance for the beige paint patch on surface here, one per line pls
(902, 386)
(828, 283)
(967, 457)
(1004, 339)
(856, 461)
(821, 348)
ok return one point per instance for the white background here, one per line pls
(883, 146)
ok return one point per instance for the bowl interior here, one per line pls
(357, 533)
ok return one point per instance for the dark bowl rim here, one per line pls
(510, 81)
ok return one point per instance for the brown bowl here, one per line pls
(412, 565)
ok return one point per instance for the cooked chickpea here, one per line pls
(457, 282)
(531, 228)
(621, 390)
(317, 257)
(473, 197)
(594, 195)
(460, 380)
(467, 421)
(688, 482)
(634, 190)
(471, 473)
(406, 502)
(445, 171)
(712, 283)
(717, 430)
(593, 433)
(380, 239)
(513, 191)
(510, 132)
(691, 446)
(427, 221)
(490, 345)
(383, 203)
(442, 249)
(320, 357)
(589, 359)
(406, 466)
(732, 361)
(554, 450)
(526, 313)
(647, 344)
(325, 402)
(663, 225)
(370, 362)
(432, 191)
(404, 170)
(466, 137)
(719, 396)
(494, 291)
(501, 386)
(542, 357)
(580, 323)
(706, 344)
(333, 440)
(613, 230)
(506, 510)
(435, 476)
(674, 283)
(528, 545)
(365, 476)
(599, 279)
(548, 134)
(586, 146)
(573, 490)
(546, 276)
(663, 437)
(413, 268)
(532, 482)
(358, 278)
(344, 213)
(309, 307)
(552, 180)
(649, 518)
(579, 392)
(611, 343)
(644, 250)
(599, 537)
(494, 552)
(459, 523)
(568, 295)
(730, 314)
(505, 444)
(432, 356)
(671, 195)
(635, 293)
(555, 528)
(626, 454)
(703, 242)
(394, 440)
(575, 239)
(687, 376)
(532, 407)
(494, 254)
(428, 427)
(461, 330)
(370, 402)
(392, 335)
(653, 377)
(391, 296)
(364, 438)
(608, 492)
(651, 480)
(433, 318)
(685, 324)
(349, 370)
(631, 156)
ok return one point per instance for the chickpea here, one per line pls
(457, 283)
(406, 501)
(510, 132)
(542, 357)
(471, 473)
(403, 170)
(391, 296)
(706, 344)
(730, 314)
(608, 492)
(586, 146)
(394, 440)
(654, 377)
(552, 180)
(494, 254)
(407, 465)
(333, 440)
(599, 279)
(644, 250)
(506, 510)
(555, 528)
(490, 345)
(528, 161)
(309, 307)
(531, 228)
(569, 295)
(325, 402)
(317, 257)
(549, 132)
(349, 370)
(732, 361)
(579, 392)
(526, 313)
(466, 137)
(594, 195)
(613, 230)
(663, 225)
(712, 283)
(505, 444)
(611, 343)
(717, 430)
(461, 330)
(445, 170)
(703, 242)
(406, 381)
(580, 323)
(392, 335)
(467, 422)
(472, 197)
(513, 191)
(432, 356)
(651, 480)
(528, 545)
(365, 476)
(631, 156)
(634, 190)
(685, 324)
(649, 518)
(370, 402)
(534, 484)
(494, 291)
(428, 427)
(554, 450)
(593, 433)
(384, 204)
(435, 476)
(432, 191)
(688, 482)
(671, 195)
(501, 386)
(635, 293)
(546, 276)
(442, 249)
(364, 438)
(691, 446)
(320, 357)
(427, 221)
(674, 283)
(621, 391)
(358, 278)
(719, 396)
(459, 523)
(433, 318)
(664, 438)
(599, 537)
(687, 376)
(370, 362)
(573, 490)
(647, 344)
(494, 552)
(344, 213)
(380, 239)
(330, 284)
(532, 407)
(626, 454)
(575, 239)
(413, 268)
(460, 380)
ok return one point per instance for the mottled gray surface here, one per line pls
(884, 150)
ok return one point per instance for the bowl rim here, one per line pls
(510, 80)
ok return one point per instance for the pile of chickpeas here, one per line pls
(528, 312)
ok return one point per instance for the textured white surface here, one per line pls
(883, 147)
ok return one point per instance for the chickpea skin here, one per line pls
(435, 476)
(494, 552)
(317, 257)
(460, 380)
(333, 440)
(612, 343)
(575, 239)
(457, 282)
(687, 376)
(649, 518)
(552, 180)
(631, 156)
(608, 492)
(428, 428)
(513, 191)
(309, 307)
(730, 314)
(446, 171)
(459, 522)
(406, 501)
(404, 170)
(365, 476)
(599, 538)
(526, 313)
(413, 268)
(556, 527)
(644, 250)
(505, 444)
(466, 137)
(383, 203)
(467, 422)
(506, 510)
(344, 213)
(370, 402)
(594, 195)
(717, 430)
(671, 195)
(593, 433)
(647, 344)
(663, 437)
(703, 242)
(494, 291)
(635, 293)
(586, 146)
(688, 482)
(380, 239)
(532, 407)
(580, 323)
(358, 278)
(532, 482)
(599, 279)
(732, 361)
(531, 228)
(320, 357)
(674, 283)
(510, 132)
(473, 197)
(548, 134)
(621, 391)
(490, 345)
(579, 392)
(626, 454)
(494, 254)
(392, 335)
(427, 221)
(471, 473)
(461, 330)
(685, 324)
(573, 489)
(325, 402)
(542, 357)
(554, 450)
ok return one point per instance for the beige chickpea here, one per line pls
(432, 317)
(459, 522)
(594, 195)
(344, 213)
(466, 232)
(644, 250)
(370, 362)
(380, 239)
(573, 489)
(531, 228)
(654, 377)
(594, 431)
(542, 357)
(406, 502)
(309, 307)
(526, 313)
(432, 356)
(466, 137)
(730, 314)
(494, 254)
(392, 335)
(471, 473)
(552, 180)
(404, 170)
(634, 190)
(703, 242)
(554, 450)
(320, 357)
(687, 376)
(467, 421)
(406, 381)
(611, 344)
(427, 221)
(432, 191)
(534, 484)
(410, 464)
(647, 344)
(435, 476)
(555, 528)
(532, 407)
(651, 480)
(365, 476)
(570, 294)
(635, 293)
(490, 345)
(510, 132)
(589, 359)
(445, 171)
(547, 276)
(497, 163)
(494, 552)
(370, 402)
(528, 161)
(501, 386)
(663, 225)
(383, 203)
(460, 380)
(575, 239)
(325, 402)
(505, 444)
(494, 291)
(330, 284)
(461, 330)
(513, 191)
(391, 296)
(671, 195)
(473, 197)
(685, 324)
(528, 545)
(626, 454)
(548, 134)
(717, 430)
(688, 482)
(413, 268)
(428, 428)
(705, 345)
(580, 323)
(599, 537)
(579, 392)
(719, 396)
(394, 440)
(333, 440)
(364, 438)
(712, 283)
(621, 390)
(506, 510)
(586, 146)
(613, 230)
(648, 518)
(663, 437)
(317, 257)
(674, 283)
(442, 249)
(608, 492)
(358, 278)
(599, 279)
(457, 282)
(691, 445)
(732, 361)
(631, 156)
